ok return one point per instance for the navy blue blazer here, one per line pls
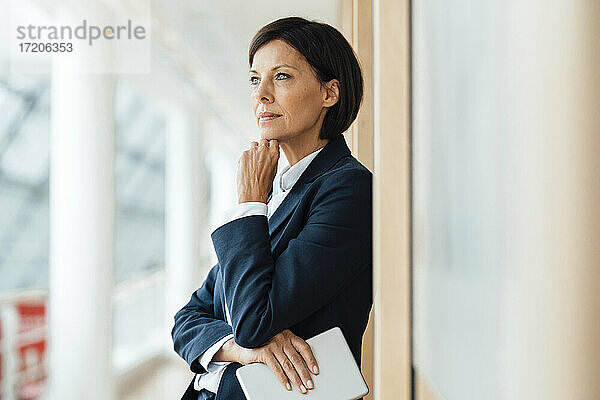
(307, 269)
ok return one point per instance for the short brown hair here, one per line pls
(331, 57)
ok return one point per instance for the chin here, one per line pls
(270, 135)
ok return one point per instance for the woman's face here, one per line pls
(283, 83)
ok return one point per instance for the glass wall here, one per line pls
(140, 183)
(24, 164)
(138, 319)
(459, 130)
(139, 323)
(24, 233)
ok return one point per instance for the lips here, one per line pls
(268, 116)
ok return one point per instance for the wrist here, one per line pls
(227, 352)
(246, 199)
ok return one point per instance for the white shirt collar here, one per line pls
(287, 176)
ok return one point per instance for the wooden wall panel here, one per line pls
(392, 241)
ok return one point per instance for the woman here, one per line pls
(295, 256)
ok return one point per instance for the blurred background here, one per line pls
(163, 149)
(481, 125)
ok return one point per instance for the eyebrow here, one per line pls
(275, 67)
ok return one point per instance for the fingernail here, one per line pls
(302, 388)
(310, 384)
(288, 386)
(315, 369)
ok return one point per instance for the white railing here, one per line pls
(138, 321)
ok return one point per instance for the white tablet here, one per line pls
(339, 377)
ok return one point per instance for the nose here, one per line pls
(263, 93)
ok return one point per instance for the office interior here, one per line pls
(480, 124)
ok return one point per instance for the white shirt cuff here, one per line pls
(211, 380)
(242, 210)
(207, 356)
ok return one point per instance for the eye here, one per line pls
(253, 80)
(281, 74)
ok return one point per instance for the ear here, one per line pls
(331, 95)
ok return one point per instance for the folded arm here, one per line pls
(266, 296)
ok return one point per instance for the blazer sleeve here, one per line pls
(267, 295)
(196, 329)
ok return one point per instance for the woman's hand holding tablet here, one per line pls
(287, 355)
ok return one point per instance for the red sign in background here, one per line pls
(31, 346)
(26, 348)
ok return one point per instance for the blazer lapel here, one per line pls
(331, 153)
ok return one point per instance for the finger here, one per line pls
(253, 144)
(272, 363)
(274, 148)
(289, 370)
(263, 142)
(307, 354)
(299, 365)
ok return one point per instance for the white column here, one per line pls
(185, 210)
(82, 208)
